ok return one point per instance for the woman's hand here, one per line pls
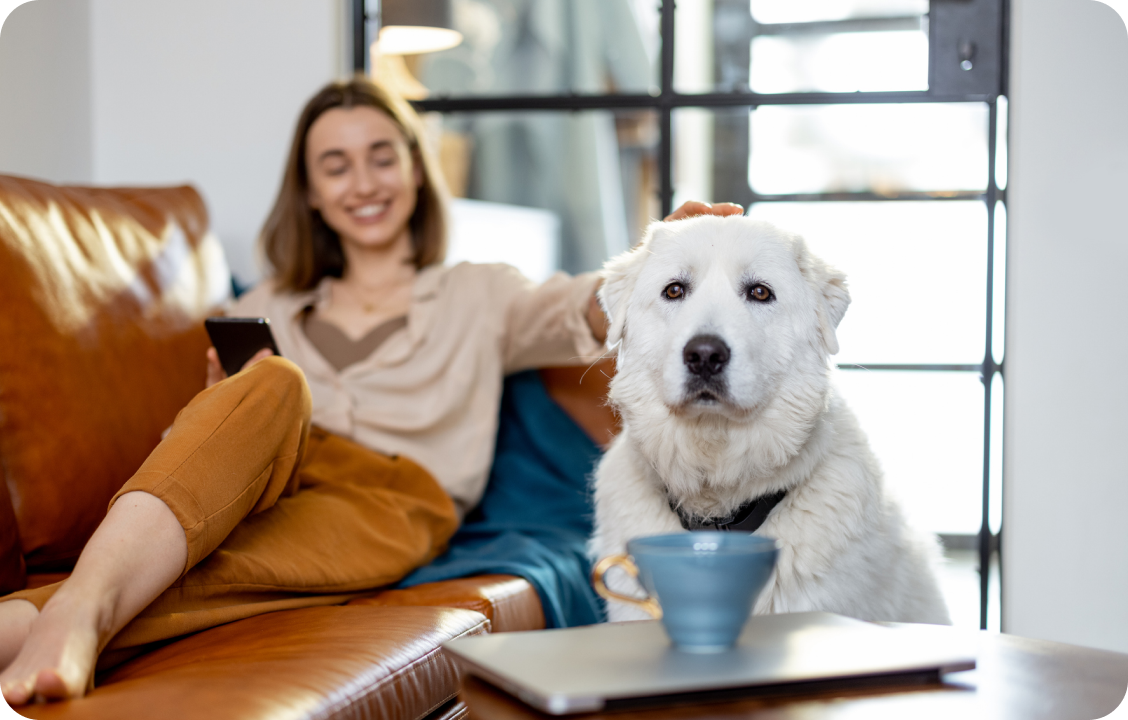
(693, 207)
(216, 373)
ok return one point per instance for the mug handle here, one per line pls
(650, 605)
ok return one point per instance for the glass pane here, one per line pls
(994, 597)
(1001, 143)
(917, 273)
(878, 148)
(996, 499)
(695, 164)
(999, 285)
(926, 430)
(774, 46)
(959, 581)
(799, 11)
(840, 62)
(590, 177)
(544, 47)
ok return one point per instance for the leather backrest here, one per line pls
(582, 393)
(13, 573)
(101, 343)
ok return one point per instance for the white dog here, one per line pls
(725, 327)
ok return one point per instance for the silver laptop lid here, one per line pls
(584, 669)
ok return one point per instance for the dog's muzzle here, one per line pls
(706, 356)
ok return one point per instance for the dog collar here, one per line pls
(746, 518)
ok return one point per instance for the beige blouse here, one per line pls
(431, 391)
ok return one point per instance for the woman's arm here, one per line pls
(596, 318)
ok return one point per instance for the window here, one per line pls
(876, 128)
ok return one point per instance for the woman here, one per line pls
(402, 354)
(244, 508)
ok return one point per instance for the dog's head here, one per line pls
(720, 316)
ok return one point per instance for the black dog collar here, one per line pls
(746, 518)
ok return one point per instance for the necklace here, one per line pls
(368, 307)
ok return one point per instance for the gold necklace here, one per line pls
(367, 307)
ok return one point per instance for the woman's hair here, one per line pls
(300, 247)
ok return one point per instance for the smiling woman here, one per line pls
(356, 148)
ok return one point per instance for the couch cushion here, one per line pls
(103, 293)
(509, 602)
(326, 663)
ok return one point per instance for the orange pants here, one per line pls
(277, 515)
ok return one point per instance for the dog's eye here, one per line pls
(759, 293)
(674, 291)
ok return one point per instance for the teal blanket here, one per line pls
(535, 517)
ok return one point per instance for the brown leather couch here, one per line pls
(102, 297)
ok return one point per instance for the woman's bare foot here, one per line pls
(57, 659)
(137, 551)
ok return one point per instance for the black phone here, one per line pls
(237, 339)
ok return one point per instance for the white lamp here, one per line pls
(414, 39)
(410, 27)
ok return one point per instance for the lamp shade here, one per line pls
(416, 26)
(423, 13)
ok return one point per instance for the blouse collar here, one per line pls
(420, 315)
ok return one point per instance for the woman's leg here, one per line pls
(136, 552)
(232, 452)
(361, 520)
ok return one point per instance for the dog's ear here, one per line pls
(833, 297)
(619, 275)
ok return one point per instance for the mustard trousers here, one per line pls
(277, 515)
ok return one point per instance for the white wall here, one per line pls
(1066, 445)
(127, 92)
(45, 129)
(207, 92)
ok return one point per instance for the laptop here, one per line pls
(621, 665)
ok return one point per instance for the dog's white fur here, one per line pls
(776, 422)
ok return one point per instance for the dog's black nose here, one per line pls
(706, 355)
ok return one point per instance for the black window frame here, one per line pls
(958, 30)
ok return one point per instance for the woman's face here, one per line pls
(362, 177)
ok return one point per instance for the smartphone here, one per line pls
(237, 340)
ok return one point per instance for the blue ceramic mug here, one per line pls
(701, 584)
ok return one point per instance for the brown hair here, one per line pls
(300, 247)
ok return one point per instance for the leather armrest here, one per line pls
(510, 602)
(322, 662)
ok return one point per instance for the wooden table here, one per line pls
(1016, 678)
